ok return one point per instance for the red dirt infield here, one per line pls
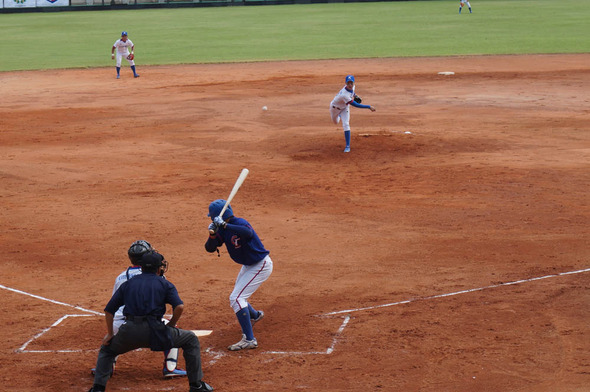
(487, 192)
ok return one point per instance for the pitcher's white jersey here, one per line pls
(343, 98)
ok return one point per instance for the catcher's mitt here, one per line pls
(357, 99)
(130, 57)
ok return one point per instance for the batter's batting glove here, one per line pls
(219, 222)
(212, 228)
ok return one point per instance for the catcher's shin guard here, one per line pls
(171, 359)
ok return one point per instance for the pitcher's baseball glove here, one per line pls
(130, 57)
(357, 99)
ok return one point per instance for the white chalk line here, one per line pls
(218, 354)
(23, 348)
(328, 351)
(50, 300)
(455, 293)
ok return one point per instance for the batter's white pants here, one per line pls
(248, 281)
(120, 56)
(338, 114)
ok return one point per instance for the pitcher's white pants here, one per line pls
(338, 114)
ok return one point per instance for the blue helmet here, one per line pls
(349, 78)
(124, 33)
(215, 208)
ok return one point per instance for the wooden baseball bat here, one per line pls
(237, 185)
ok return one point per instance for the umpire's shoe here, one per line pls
(201, 386)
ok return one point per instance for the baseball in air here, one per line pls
(264, 108)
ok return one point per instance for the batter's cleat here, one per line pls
(347, 149)
(243, 344)
(202, 387)
(174, 373)
(257, 319)
(136, 76)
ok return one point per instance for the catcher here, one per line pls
(122, 46)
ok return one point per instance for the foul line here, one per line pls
(455, 293)
(50, 300)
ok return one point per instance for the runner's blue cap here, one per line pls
(123, 33)
(349, 78)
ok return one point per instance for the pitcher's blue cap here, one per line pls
(123, 33)
(349, 78)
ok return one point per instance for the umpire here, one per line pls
(145, 298)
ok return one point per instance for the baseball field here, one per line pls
(447, 252)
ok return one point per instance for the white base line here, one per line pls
(456, 293)
(50, 300)
(23, 349)
(329, 351)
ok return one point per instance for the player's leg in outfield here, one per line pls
(132, 65)
(119, 56)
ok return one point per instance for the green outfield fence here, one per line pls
(17, 6)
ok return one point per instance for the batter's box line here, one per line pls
(220, 354)
(455, 293)
(23, 348)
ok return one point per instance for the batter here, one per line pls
(244, 248)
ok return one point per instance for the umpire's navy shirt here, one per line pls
(145, 294)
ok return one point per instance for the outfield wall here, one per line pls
(11, 6)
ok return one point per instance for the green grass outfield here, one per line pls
(294, 32)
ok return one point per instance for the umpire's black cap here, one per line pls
(151, 260)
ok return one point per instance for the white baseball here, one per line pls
(264, 108)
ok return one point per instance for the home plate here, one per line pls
(446, 73)
(202, 332)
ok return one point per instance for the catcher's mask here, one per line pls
(215, 208)
(138, 249)
(152, 261)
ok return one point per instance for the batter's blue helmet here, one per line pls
(349, 78)
(215, 208)
(123, 33)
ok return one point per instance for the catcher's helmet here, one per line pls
(215, 208)
(349, 78)
(123, 34)
(151, 261)
(138, 249)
